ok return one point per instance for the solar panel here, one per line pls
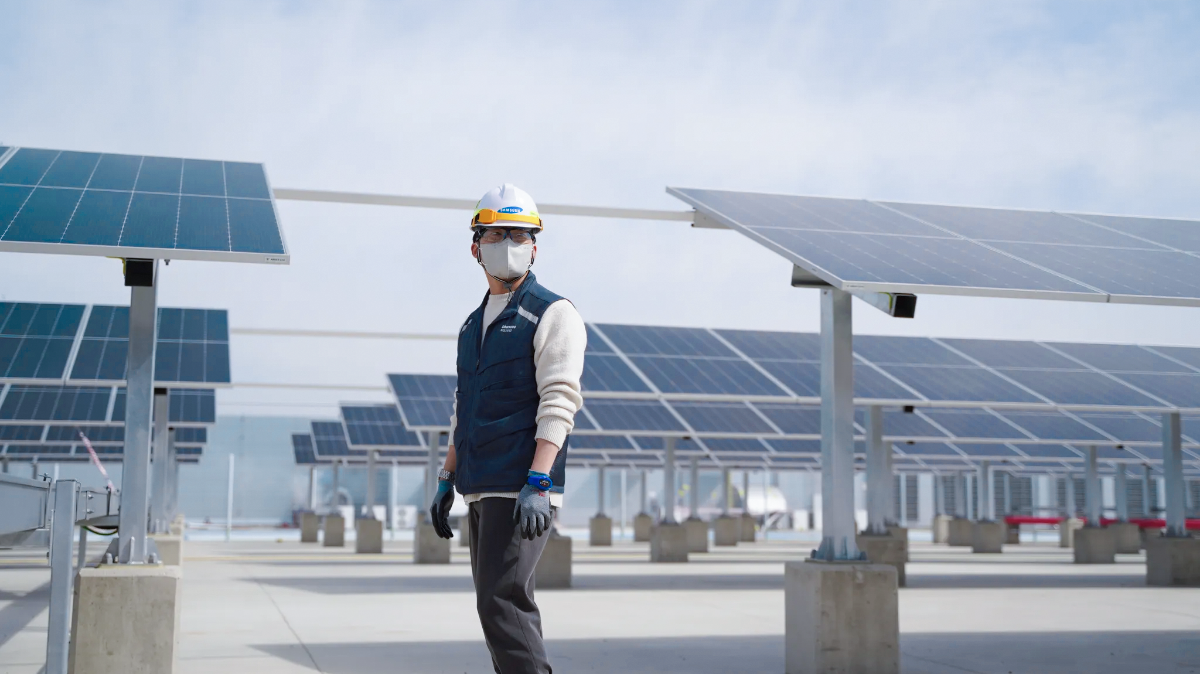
(1178, 390)
(36, 339)
(1053, 426)
(20, 432)
(705, 375)
(1120, 358)
(974, 424)
(1182, 354)
(88, 203)
(377, 426)
(960, 383)
(648, 340)
(764, 345)
(735, 446)
(192, 347)
(901, 424)
(989, 451)
(793, 419)
(634, 415)
(655, 443)
(302, 445)
(883, 350)
(55, 403)
(1124, 426)
(608, 372)
(97, 435)
(426, 400)
(329, 439)
(891, 247)
(1043, 452)
(1080, 388)
(722, 417)
(599, 442)
(54, 452)
(191, 436)
(1003, 353)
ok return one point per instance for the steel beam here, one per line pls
(1121, 492)
(669, 482)
(159, 464)
(1092, 496)
(600, 500)
(643, 487)
(725, 491)
(372, 457)
(837, 428)
(694, 489)
(139, 391)
(62, 534)
(878, 476)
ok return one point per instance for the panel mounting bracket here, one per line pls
(897, 305)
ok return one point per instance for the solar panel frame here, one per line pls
(123, 212)
(377, 426)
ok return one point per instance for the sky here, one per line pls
(1086, 106)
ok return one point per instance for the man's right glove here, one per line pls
(443, 500)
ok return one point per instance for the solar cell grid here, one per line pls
(329, 439)
(55, 403)
(376, 426)
(1120, 358)
(987, 451)
(795, 446)
(1179, 390)
(20, 432)
(608, 372)
(901, 424)
(1177, 234)
(960, 383)
(1118, 272)
(1053, 426)
(1188, 355)
(735, 446)
(28, 450)
(191, 436)
(52, 201)
(705, 375)
(665, 341)
(1080, 388)
(722, 418)
(992, 224)
(1043, 452)
(1002, 353)
(933, 449)
(598, 442)
(763, 345)
(302, 447)
(655, 443)
(793, 419)
(1127, 427)
(595, 343)
(633, 415)
(192, 347)
(94, 434)
(905, 351)
(36, 339)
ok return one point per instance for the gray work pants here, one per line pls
(502, 565)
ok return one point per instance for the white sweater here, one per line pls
(558, 346)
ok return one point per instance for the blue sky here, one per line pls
(1087, 106)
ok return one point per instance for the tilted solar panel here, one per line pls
(302, 445)
(329, 439)
(192, 347)
(36, 339)
(55, 403)
(88, 203)
(377, 426)
(426, 400)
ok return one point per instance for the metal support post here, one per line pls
(172, 508)
(393, 487)
(431, 470)
(725, 491)
(694, 490)
(1092, 496)
(139, 391)
(62, 531)
(1072, 510)
(228, 502)
(1007, 493)
(600, 491)
(34, 468)
(1148, 508)
(643, 487)
(624, 514)
(960, 495)
(158, 465)
(766, 490)
(1121, 492)
(837, 428)
(312, 486)
(81, 554)
(879, 478)
(1173, 482)
(669, 491)
(746, 491)
(369, 505)
(986, 504)
(939, 495)
(337, 487)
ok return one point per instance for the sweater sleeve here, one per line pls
(453, 418)
(558, 347)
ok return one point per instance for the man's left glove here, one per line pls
(440, 510)
(532, 513)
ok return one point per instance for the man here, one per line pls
(520, 359)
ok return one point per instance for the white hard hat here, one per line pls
(508, 205)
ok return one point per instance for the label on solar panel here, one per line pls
(87, 203)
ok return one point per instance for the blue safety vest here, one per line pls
(498, 398)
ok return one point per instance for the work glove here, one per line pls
(533, 514)
(440, 510)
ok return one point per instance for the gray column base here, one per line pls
(600, 531)
(841, 617)
(749, 527)
(1013, 534)
(1128, 536)
(988, 537)
(125, 619)
(961, 533)
(428, 547)
(1066, 532)
(554, 568)
(310, 526)
(642, 524)
(1148, 536)
(941, 528)
(1173, 561)
(464, 531)
(170, 549)
(889, 550)
(1095, 545)
(726, 531)
(177, 525)
(335, 531)
(368, 536)
(697, 534)
(668, 543)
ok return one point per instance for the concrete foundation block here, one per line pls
(941, 528)
(335, 532)
(988, 536)
(554, 568)
(1149, 535)
(668, 543)
(642, 524)
(1066, 531)
(428, 547)
(961, 532)
(1013, 534)
(177, 525)
(888, 550)
(125, 619)
(310, 525)
(1128, 537)
(1095, 545)
(697, 534)
(170, 549)
(368, 536)
(464, 532)
(600, 531)
(726, 531)
(749, 527)
(1173, 561)
(841, 617)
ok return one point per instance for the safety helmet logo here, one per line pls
(511, 209)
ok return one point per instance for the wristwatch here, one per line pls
(539, 480)
(446, 475)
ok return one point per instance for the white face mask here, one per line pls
(506, 260)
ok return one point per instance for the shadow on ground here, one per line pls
(1001, 653)
(22, 610)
